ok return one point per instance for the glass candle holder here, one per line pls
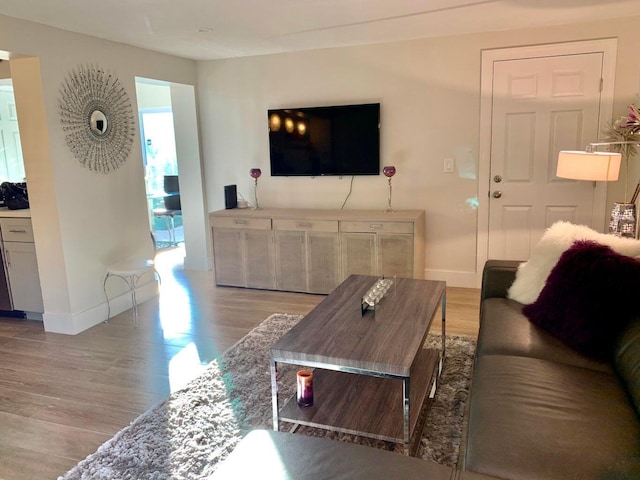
(305, 388)
(255, 174)
(389, 171)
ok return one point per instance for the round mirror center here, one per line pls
(98, 122)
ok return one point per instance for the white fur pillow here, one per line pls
(532, 275)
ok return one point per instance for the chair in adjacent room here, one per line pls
(172, 206)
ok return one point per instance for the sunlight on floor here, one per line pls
(175, 306)
(175, 311)
(176, 318)
(184, 367)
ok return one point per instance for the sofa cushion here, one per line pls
(627, 360)
(588, 298)
(505, 330)
(265, 454)
(532, 274)
(497, 278)
(530, 419)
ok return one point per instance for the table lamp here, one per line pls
(597, 166)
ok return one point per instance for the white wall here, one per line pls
(82, 220)
(5, 71)
(429, 92)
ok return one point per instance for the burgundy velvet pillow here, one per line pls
(589, 296)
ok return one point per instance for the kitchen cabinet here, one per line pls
(5, 293)
(21, 265)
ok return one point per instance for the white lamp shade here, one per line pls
(594, 166)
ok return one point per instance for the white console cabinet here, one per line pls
(305, 250)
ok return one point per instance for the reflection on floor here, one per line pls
(197, 321)
(175, 316)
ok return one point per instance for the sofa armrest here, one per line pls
(497, 277)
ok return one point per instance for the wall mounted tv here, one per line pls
(315, 141)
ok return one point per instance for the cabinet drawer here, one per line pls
(16, 229)
(306, 225)
(238, 222)
(387, 227)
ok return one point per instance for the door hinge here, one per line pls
(601, 84)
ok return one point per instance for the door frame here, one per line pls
(608, 47)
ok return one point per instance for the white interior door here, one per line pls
(539, 107)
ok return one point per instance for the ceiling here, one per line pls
(214, 29)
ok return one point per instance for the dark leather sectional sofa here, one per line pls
(538, 409)
(273, 455)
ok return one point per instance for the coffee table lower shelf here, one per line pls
(366, 405)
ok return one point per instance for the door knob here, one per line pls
(497, 194)
(497, 178)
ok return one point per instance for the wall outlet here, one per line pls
(448, 165)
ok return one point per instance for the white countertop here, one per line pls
(6, 213)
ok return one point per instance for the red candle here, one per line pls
(305, 388)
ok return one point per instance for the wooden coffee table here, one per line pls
(372, 374)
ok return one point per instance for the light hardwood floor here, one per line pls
(62, 396)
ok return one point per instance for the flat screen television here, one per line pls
(316, 141)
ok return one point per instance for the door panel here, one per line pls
(323, 258)
(260, 259)
(395, 255)
(22, 271)
(540, 106)
(291, 269)
(228, 257)
(358, 254)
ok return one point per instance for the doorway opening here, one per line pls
(160, 161)
(11, 161)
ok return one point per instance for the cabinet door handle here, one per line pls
(239, 222)
(17, 231)
(376, 226)
(7, 258)
(304, 224)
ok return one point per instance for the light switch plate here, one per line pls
(448, 165)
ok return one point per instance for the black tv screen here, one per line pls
(315, 141)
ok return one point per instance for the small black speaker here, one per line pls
(230, 196)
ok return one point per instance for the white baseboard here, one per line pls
(76, 323)
(455, 279)
(198, 264)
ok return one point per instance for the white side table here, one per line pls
(131, 272)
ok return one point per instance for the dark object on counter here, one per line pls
(230, 196)
(15, 195)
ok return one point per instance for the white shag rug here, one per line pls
(186, 435)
